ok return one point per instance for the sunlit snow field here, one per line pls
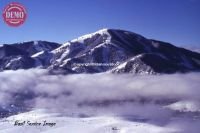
(99, 103)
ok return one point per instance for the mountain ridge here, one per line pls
(132, 52)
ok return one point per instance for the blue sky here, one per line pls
(175, 21)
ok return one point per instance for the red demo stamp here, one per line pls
(14, 14)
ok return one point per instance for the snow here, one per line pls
(35, 43)
(37, 54)
(63, 55)
(121, 66)
(42, 58)
(60, 49)
(63, 124)
(185, 106)
(63, 51)
(64, 62)
(13, 60)
(155, 44)
(101, 32)
(39, 46)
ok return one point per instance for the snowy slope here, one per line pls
(26, 55)
(63, 124)
(34, 47)
(119, 47)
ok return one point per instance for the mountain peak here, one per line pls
(132, 52)
(119, 46)
(90, 35)
(106, 33)
(103, 30)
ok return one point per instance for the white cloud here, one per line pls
(153, 98)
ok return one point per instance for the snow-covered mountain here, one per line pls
(23, 55)
(107, 50)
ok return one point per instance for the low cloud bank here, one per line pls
(155, 99)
